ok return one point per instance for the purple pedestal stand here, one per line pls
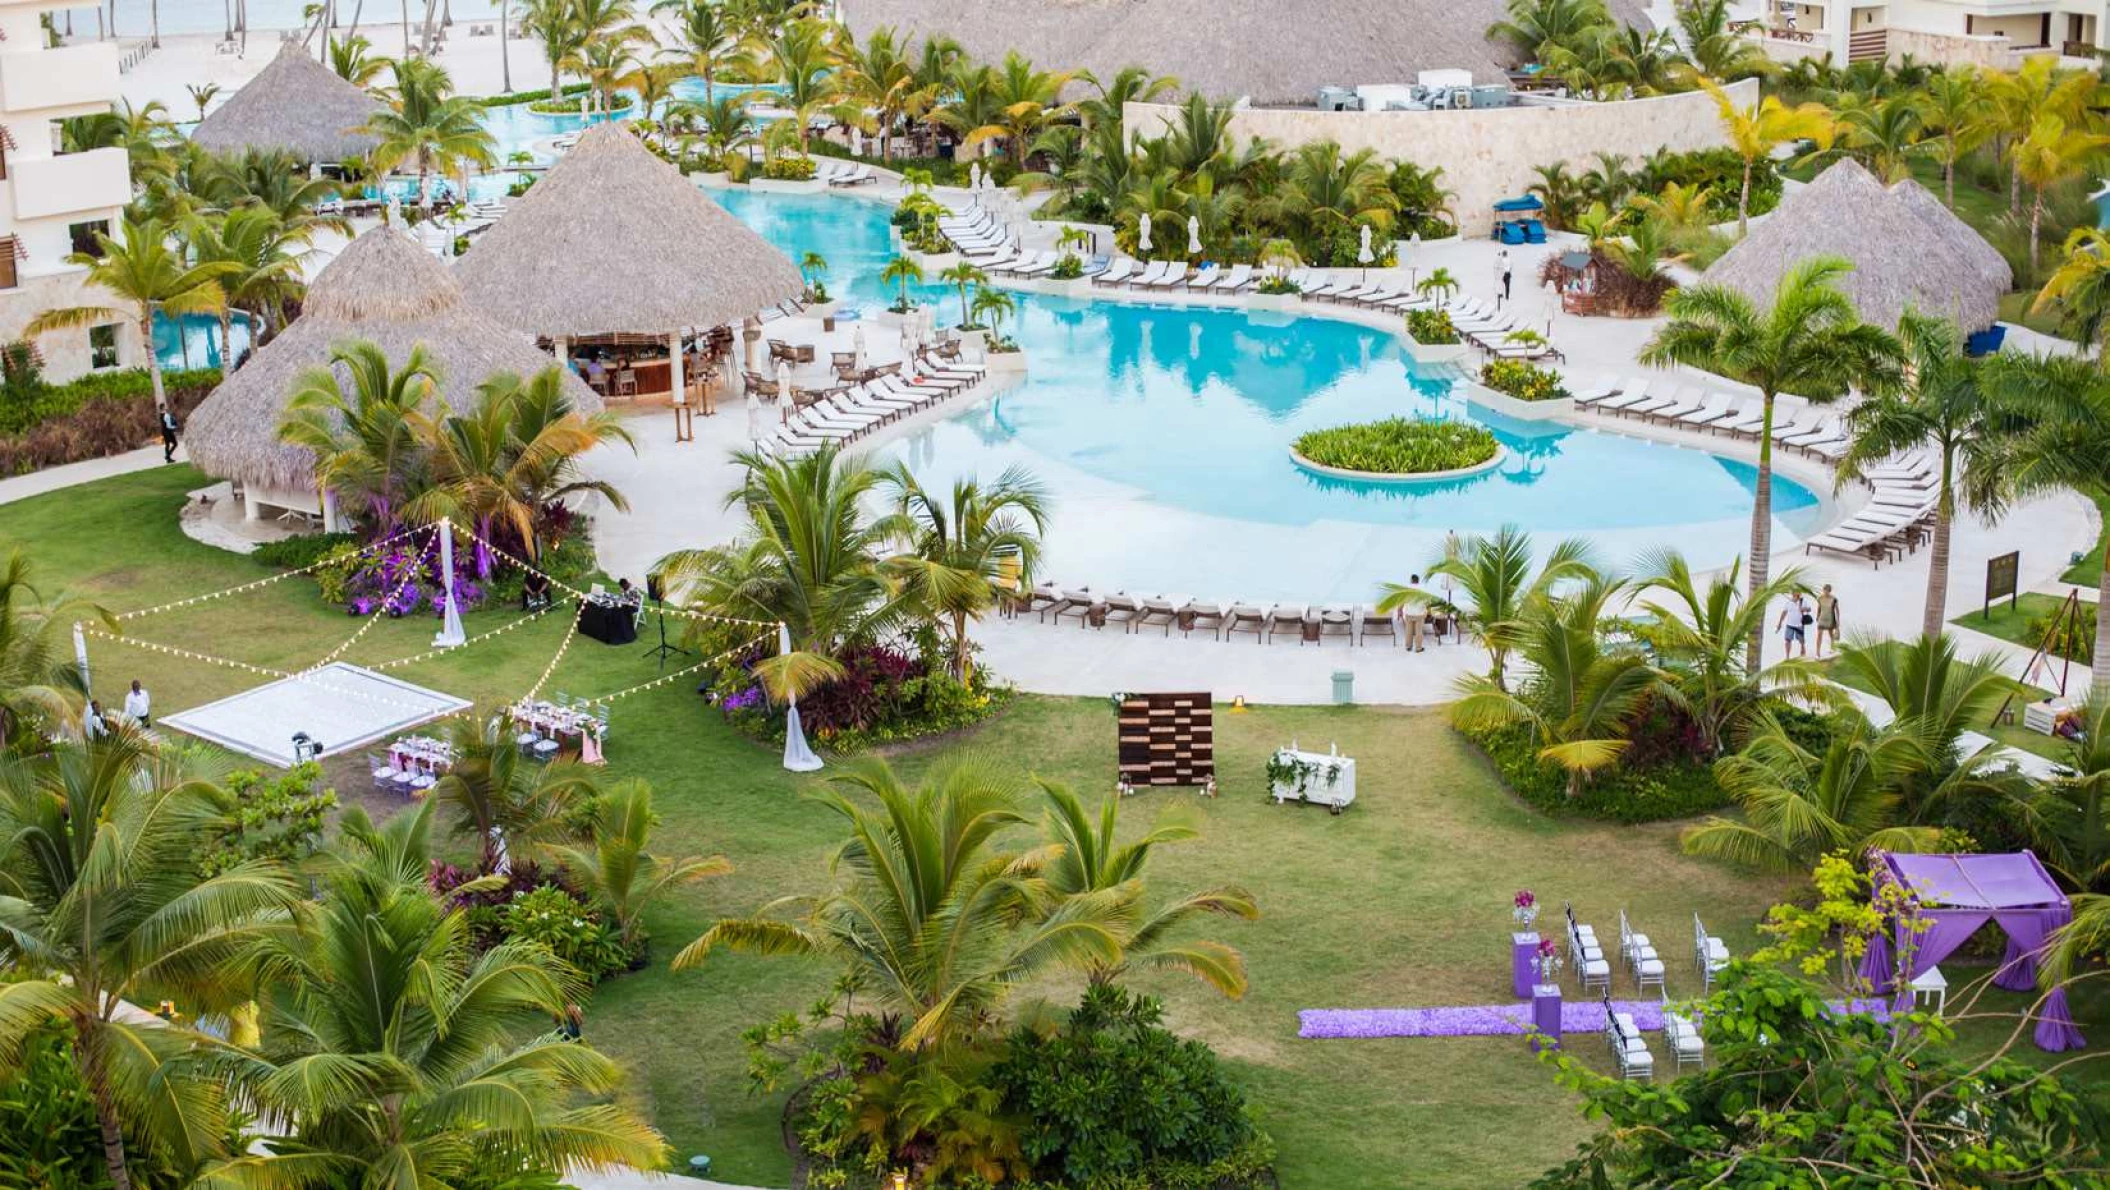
(1546, 1015)
(1522, 946)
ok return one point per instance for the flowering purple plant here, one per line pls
(401, 579)
(747, 699)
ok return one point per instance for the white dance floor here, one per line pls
(342, 706)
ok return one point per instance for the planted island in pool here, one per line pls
(1398, 448)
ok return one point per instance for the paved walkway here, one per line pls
(51, 479)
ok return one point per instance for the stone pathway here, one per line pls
(51, 479)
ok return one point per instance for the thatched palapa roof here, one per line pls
(1266, 51)
(295, 105)
(384, 288)
(614, 239)
(1906, 248)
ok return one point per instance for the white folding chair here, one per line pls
(1636, 953)
(1709, 953)
(1683, 1036)
(1629, 1051)
(384, 772)
(1591, 967)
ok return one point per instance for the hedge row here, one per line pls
(102, 414)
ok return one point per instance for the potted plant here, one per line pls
(813, 267)
(1000, 352)
(1432, 337)
(1276, 291)
(1067, 277)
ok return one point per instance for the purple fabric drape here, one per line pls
(1946, 930)
(1878, 967)
(2027, 936)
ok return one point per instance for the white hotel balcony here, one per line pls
(97, 180)
(74, 80)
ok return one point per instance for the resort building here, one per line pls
(53, 203)
(382, 288)
(295, 105)
(1984, 33)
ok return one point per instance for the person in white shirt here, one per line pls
(93, 726)
(137, 704)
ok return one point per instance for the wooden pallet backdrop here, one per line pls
(1167, 739)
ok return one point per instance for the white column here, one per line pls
(563, 350)
(681, 393)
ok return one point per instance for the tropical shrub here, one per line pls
(883, 695)
(48, 1133)
(1068, 268)
(102, 414)
(569, 91)
(279, 818)
(1674, 788)
(1277, 286)
(2073, 642)
(1399, 446)
(569, 928)
(302, 549)
(1112, 1093)
(484, 907)
(789, 168)
(405, 577)
(1432, 328)
(1522, 380)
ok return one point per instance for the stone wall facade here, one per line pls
(65, 352)
(1486, 154)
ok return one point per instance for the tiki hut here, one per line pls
(1903, 253)
(614, 258)
(1225, 49)
(382, 288)
(295, 105)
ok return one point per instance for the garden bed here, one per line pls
(1399, 450)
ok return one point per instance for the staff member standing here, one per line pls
(168, 434)
(137, 705)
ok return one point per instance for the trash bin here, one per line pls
(699, 1166)
(1343, 687)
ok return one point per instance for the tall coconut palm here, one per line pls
(1955, 108)
(960, 553)
(102, 902)
(1091, 858)
(556, 24)
(609, 65)
(148, 272)
(1799, 805)
(809, 558)
(512, 455)
(431, 126)
(2080, 289)
(511, 806)
(272, 179)
(962, 275)
(712, 38)
(266, 273)
(39, 683)
(1028, 99)
(2052, 153)
(927, 910)
(352, 59)
(1755, 131)
(406, 1056)
(1885, 135)
(803, 55)
(1532, 25)
(2039, 87)
(879, 79)
(618, 873)
(1580, 695)
(1699, 637)
(1809, 342)
(1944, 408)
(1495, 576)
(364, 439)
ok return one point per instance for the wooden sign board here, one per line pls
(1167, 739)
(2000, 581)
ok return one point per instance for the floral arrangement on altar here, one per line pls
(1525, 908)
(1546, 961)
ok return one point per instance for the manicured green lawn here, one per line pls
(1402, 901)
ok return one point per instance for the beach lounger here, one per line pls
(1377, 296)
(1121, 608)
(1633, 394)
(1605, 389)
(1078, 603)
(1370, 622)
(1199, 616)
(1289, 616)
(1153, 272)
(1716, 407)
(1162, 611)
(1175, 274)
(1240, 276)
(1748, 418)
(1686, 401)
(1116, 273)
(1326, 289)
(1247, 617)
(1205, 278)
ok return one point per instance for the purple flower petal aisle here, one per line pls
(1492, 1020)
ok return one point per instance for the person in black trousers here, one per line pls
(168, 434)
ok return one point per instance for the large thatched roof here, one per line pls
(296, 105)
(383, 288)
(1263, 50)
(1906, 249)
(614, 239)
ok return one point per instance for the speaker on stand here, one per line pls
(657, 596)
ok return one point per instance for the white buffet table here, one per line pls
(1330, 783)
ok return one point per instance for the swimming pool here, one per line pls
(1162, 435)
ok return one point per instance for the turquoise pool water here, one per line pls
(1163, 436)
(194, 340)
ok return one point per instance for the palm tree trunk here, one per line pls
(154, 11)
(87, 1056)
(1936, 614)
(2099, 660)
(226, 18)
(146, 336)
(2036, 217)
(1761, 531)
(406, 28)
(2014, 189)
(1948, 177)
(505, 55)
(959, 647)
(1743, 204)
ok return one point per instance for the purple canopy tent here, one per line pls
(1955, 895)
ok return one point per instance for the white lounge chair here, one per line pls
(1116, 273)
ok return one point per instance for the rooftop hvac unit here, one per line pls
(1338, 99)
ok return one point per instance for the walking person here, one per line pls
(1416, 617)
(1827, 619)
(1501, 276)
(168, 434)
(137, 705)
(1794, 626)
(93, 725)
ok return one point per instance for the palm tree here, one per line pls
(1700, 636)
(618, 873)
(513, 454)
(1580, 696)
(608, 66)
(879, 79)
(431, 126)
(556, 25)
(991, 307)
(901, 270)
(1799, 805)
(959, 555)
(1884, 136)
(1439, 281)
(1754, 132)
(962, 275)
(39, 683)
(2080, 288)
(102, 901)
(1941, 407)
(266, 272)
(1718, 51)
(809, 559)
(712, 38)
(272, 179)
(1954, 106)
(2039, 87)
(1027, 100)
(365, 440)
(927, 912)
(351, 59)
(1330, 192)
(1809, 341)
(202, 95)
(726, 125)
(399, 1049)
(508, 804)
(148, 272)
(804, 56)
(1091, 859)
(1494, 574)
(1531, 25)
(2051, 153)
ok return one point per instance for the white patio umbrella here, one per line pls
(857, 348)
(1414, 248)
(974, 181)
(1194, 236)
(1143, 233)
(908, 341)
(857, 141)
(756, 430)
(784, 387)
(1363, 255)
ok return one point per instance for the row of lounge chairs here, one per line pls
(844, 173)
(1899, 514)
(1810, 432)
(1307, 624)
(844, 415)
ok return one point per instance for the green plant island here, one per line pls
(1524, 381)
(1398, 447)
